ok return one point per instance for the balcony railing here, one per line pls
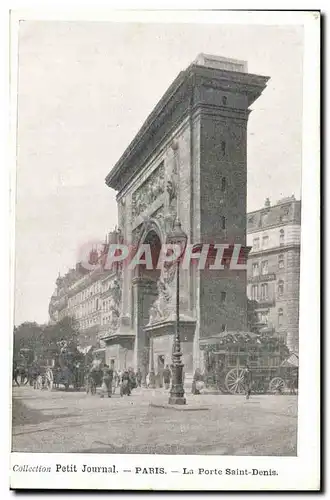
(262, 277)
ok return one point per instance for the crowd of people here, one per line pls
(126, 380)
(100, 375)
(34, 375)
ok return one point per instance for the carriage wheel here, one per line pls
(277, 385)
(234, 381)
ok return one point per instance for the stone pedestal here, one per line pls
(161, 335)
(144, 292)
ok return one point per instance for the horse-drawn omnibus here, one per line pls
(227, 354)
(69, 369)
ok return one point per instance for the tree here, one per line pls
(28, 335)
(44, 340)
(63, 333)
(252, 317)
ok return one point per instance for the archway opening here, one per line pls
(152, 239)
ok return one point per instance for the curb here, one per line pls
(167, 406)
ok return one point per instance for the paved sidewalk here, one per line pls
(61, 421)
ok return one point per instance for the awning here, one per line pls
(293, 360)
(84, 350)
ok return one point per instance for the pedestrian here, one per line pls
(49, 378)
(167, 374)
(151, 380)
(107, 381)
(198, 382)
(15, 373)
(139, 377)
(114, 381)
(247, 380)
(125, 387)
(35, 373)
(159, 379)
(132, 378)
(119, 376)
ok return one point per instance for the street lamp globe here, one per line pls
(177, 236)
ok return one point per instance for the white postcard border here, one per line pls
(300, 472)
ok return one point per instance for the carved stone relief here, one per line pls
(122, 213)
(115, 303)
(172, 184)
(148, 192)
(164, 305)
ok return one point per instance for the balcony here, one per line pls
(262, 278)
(263, 303)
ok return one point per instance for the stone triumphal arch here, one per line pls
(188, 161)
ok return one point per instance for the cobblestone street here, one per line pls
(58, 421)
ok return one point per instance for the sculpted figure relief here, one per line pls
(172, 188)
(146, 194)
(163, 306)
(115, 291)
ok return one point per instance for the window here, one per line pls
(223, 222)
(223, 297)
(254, 292)
(265, 241)
(280, 317)
(224, 100)
(223, 327)
(223, 184)
(223, 147)
(263, 218)
(263, 317)
(264, 291)
(281, 237)
(255, 243)
(255, 269)
(264, 267)
(280, 287)
(281, 261)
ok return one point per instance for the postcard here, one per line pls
(165, 206)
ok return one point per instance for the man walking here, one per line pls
(125, 387)
(139, 377)
(15, 373)
(247, 376)
(107, 381)
(167, 377)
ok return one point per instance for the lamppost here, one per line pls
(177, 237)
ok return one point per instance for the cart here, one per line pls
(227, 354)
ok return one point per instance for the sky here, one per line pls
(85, 89)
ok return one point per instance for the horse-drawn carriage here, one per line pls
(22, 363)
(272, 367)
(69, 369)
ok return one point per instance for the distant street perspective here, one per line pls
(60, 422)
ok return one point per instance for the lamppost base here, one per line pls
(177, 400)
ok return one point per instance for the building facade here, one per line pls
(83, 294)
(273, 233)
(187, 162)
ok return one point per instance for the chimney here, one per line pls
(93, 257)
(267, 203)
